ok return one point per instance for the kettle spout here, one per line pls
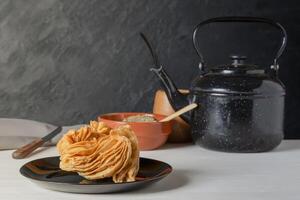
(176, 99)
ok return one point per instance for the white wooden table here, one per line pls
(198, 174)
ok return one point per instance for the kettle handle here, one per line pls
(274, 66)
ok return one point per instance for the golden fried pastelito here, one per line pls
(97, 152)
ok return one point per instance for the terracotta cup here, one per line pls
(181, 129)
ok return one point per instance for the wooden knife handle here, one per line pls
(24, 151)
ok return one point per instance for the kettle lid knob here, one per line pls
(238, 59)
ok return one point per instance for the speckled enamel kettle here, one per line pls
(241, 106)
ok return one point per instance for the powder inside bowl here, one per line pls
(140, 118)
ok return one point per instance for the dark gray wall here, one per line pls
(65, 62)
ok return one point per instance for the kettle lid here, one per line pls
(238, 78)
(238, 66)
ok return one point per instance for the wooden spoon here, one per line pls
(179, 112)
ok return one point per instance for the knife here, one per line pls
(24, 151)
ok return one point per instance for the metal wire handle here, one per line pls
(274, 66)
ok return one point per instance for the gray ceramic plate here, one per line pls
(46, 173)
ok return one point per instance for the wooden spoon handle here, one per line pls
(24, 151)
(180, 112)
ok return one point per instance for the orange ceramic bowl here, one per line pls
(151, 135)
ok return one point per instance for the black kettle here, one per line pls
(241, 106)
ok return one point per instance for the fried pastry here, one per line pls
(97, 152)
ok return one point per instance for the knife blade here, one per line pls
(52, 134)
(25, 150)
